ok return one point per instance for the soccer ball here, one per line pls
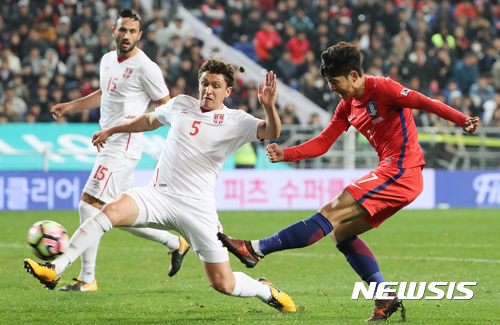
(48, 239)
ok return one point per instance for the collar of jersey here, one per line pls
(207, 111)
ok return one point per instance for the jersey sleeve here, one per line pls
(400, 96)
(247, 127)
(320, 144)
(164, 112)
(153, 83)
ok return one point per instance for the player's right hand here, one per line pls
(59, 110)
(99, 139)
(275, 153)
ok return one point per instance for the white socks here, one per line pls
(87, 272)
(246, 287)
(160, 236)
(89, 233)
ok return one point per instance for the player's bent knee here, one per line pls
(222, 286)
(122, 212)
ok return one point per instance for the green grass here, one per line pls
(439, 245)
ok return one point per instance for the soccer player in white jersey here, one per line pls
(129, 80)
(180, 195)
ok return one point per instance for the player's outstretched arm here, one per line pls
(271, 127)
(88, 102)
(145, 122)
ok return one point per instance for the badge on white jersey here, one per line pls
(218, 118)
(127, 73)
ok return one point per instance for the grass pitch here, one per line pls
(413, 246)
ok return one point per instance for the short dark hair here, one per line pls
(129, 13)
(217, 66)
(340, 60)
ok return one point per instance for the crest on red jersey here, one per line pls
(218, 118)
(127, 73)
(371, 108)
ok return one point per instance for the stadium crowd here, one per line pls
(448, 50)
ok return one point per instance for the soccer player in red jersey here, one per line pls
(379, 108)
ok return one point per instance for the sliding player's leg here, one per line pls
(121, 212)
(239, 284)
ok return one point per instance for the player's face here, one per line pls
(126, 33)
(347, 88)
(342, 86)
(213, 90)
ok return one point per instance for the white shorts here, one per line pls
(111, 176)
(196, 220)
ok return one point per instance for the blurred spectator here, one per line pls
(85, 36)
(63, 28)
(150, 48)
(8, 10)
(47, 16)
(465, 8)
(301, 22)
(20, 89)
(252, 23)
(176, 46)
(233, 28)
(4, 118)
(5, 73)
(101, 48)
(491, 108)
(315, 121)
(34, 60)
(466, 72)
(30, 118)
(289, 111)
(88, 16)
(23, 15)
(439, 39)
(14, 106)
(298, 46)
(286, 68)
(104, 29)
(482, 89)
(266, 44)
(177, 27)
(54, 65)
(487, 59)
(78, 58)
(212, 13)
(390, 19)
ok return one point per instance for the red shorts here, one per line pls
(386, 190)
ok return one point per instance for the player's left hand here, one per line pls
(471, 124)
(99, 139)
(268, 92)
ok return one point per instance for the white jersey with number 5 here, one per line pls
(198, 144)
(127, 88)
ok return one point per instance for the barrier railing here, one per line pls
(444, 148)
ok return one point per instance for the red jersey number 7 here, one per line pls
(195, 128)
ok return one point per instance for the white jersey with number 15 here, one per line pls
(127, 88)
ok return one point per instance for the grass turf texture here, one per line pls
(439, 245)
